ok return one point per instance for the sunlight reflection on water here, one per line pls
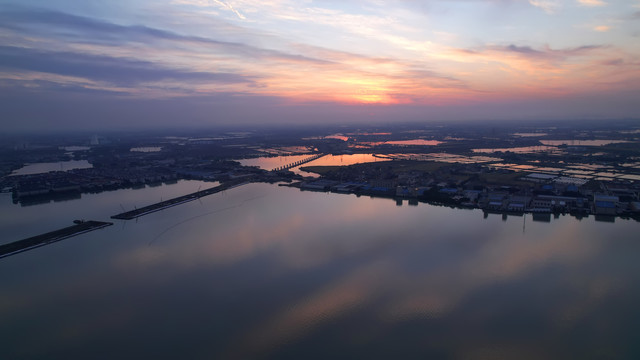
(262, 271)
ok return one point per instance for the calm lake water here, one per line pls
(262, 271)
(517, 150)
(146, 149)
(39, 168)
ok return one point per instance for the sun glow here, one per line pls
(371, 98)
(365, 90)
(325, 54)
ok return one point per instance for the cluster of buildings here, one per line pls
(544, 194)
(599, 204)
(84, 180)
(61, 184)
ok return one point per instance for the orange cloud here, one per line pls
(592, 3)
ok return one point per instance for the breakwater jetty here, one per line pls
(40, 240)
(129, 215)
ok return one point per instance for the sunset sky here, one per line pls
(124, 63)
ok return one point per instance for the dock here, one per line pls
(50, 237)
(129, 215)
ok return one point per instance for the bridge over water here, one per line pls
(299, 162)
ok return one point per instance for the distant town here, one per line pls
(547, 169)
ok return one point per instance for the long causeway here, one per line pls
(129, 215)
(50, 237)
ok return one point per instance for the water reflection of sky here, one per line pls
(518, 150)
(265, 271)
(270, 163)
(39, 168)
(550, 146)
(75, 148)
(530, 134)
(146, 149)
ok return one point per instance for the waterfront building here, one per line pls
(605, 204)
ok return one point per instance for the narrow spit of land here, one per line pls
(50, 237)
(129, 215)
